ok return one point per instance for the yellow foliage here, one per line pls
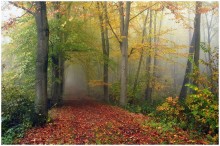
(171, 107)
(94, 83)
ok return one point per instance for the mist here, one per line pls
(75, 83)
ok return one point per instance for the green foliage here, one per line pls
(143, 107)
(210, 80)
(162, 126)
(199, 112)
(115, 93)
(134, 108)
(203, 105)
(17, 113)
(18, 80)
(133, 98)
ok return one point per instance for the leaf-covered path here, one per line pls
(89, 122)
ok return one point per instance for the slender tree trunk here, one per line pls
(61, 76)
(189, 42)
(157, 75)
(105, 46)
(42, 60)
(194, 45)
(209, 48)
(154, 77)
(124, 24)
(141, 57)
(184, 88)
(55, 80)
(55, 94)
(189, 30)
(174, 78)
(63, 38)
(197, 40)
(204, 40)
(148, 90)
(106, 90)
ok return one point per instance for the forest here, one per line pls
(109, 72)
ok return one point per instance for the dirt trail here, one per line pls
(90, 122)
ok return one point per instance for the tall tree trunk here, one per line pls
(174, 78)
(204, 40)
(154, 76)
(61, 75)
(189, 42)
(189, 30)
(62, 59)
(42, 60)
(124, 24)
(55, 80)
(148, 90)
(142, 51)
(106, 91)
(105, 46)
(61, 71)
(55, 94)
(157, 74)
(197, 40)
(209, 48)
(194, 45)
(188, 70)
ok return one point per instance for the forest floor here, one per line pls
(91, 122)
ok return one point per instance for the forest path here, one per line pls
(91, 122)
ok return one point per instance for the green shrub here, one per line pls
(115, 92)
(17, 113)
(134, 108)
(161, 126)
(203, 105)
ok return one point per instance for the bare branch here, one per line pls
(111, 27)
(143, 11)
(213, 35)
(12, 20)
(18, 6)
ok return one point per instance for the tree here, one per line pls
(103, 18)
(142, 50)
(194, 47)
(55, 57)
(210, 34)
(148, 90)
(106, 52)
(40, 15)
(197, 40)
(42, 59)
(124, 24)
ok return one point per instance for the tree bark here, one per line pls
(197, 40)
(195, 44)
(55, 80)
(55, 94)
(124, 24)
(42, 59)
(141, 57)
(154, 76)
(184, 89)
(209, 25)
(61, 75)
(197, 34)
(148, 90)
(105, 46)
(106, 89)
